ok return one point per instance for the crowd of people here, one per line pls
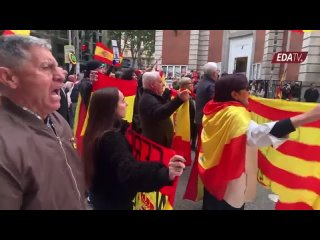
(39, 164)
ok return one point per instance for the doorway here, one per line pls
(240, 65)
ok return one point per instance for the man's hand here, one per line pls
(184, 95)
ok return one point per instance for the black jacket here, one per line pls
(205, 92)
(311, 95)
(118, 176)
(155, 112)
(64, 110)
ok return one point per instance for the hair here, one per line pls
(118, 74)
(184, 81)
(102, 119)
(14, 49)
(127, 74)
(148, 78)
(228, 83)
(209, 68)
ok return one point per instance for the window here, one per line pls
(256, 71)
(174, 71)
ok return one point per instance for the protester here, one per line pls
(39, 165)
(155, 110)
(113, 176)
(228, 158)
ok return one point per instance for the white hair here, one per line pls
(14, 49)
(148, 78)
(209, 68)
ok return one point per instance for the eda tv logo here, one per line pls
(289, 57)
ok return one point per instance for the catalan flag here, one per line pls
(17, 32)
(279, 89)
(104, 54)
(128, 88)
(291, 171)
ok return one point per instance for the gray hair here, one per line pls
(13, 49)
(183, 82)
(148, 78)
(209, 68)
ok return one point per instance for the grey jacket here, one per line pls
(38, 168)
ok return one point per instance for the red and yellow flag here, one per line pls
(128, 88)
(16, 32)
(291, 171)
(303, 31)
(146, 150)
(104, 54)
(223, 150)
(181, 122)
(279, 89)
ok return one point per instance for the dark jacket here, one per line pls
(64, 110)
(205, 92)
(118, 176)
(311, 95)
(155, 112)
(39, 169)
(85, 88)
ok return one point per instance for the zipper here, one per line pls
(66, 159)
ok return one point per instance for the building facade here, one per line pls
(246, 51)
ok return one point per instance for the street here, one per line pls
(262, 201)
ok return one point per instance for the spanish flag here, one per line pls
(17, 32)
(181, 123)
(104, 54)
(223, 150)
(291, 171)
(128, 88)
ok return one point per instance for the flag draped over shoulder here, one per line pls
(16, 32)
(104, 54)
(291, 171)
(127, 87)
(223, 150)
(181, 122)
(144, 149)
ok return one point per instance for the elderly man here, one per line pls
(39, 165)
(155, 110)
(205, 90)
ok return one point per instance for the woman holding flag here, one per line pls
(228, 155)
(112, 174)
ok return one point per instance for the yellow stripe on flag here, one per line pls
(103, 53)
(129, 113)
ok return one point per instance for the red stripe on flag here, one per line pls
(300, 150)
(231, 166)
(285, 178)
(292, 206)
(275, 114)
(8, 32)
(182, 148)
(127, 87)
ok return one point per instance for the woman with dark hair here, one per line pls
(228, 157)
(112, 175)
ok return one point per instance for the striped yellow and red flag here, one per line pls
(128, 88)
(16, 32)
(181, 122)
(291, 171)
(279, 89)
(104, 54)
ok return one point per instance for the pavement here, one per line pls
(262, 202)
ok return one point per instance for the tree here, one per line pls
(139, 42)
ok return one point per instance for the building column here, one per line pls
(203, 49)
(273, 43)
(193, 50)
(310, 68)
(158, 47)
